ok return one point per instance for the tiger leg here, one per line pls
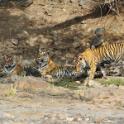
(92, 71)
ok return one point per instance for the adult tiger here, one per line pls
(93, 57)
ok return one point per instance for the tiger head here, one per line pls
(83, 60)
(9, 63)
(42, 60)
(44, 63)
(81, 63)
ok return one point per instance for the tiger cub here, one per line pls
(53, 71)
(91, 58)
(12, 66)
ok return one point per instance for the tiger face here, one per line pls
(44, 63)
(12, 65)
(42, 60)
(81, 63)
(9, 63)
(84, 60)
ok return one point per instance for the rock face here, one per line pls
(98, 39)
(61, 27)
(64, 36)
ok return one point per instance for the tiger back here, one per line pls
(93, 57)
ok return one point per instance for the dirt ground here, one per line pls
(64, 28)
(49, 104)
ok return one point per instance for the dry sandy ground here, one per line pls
(57, 105)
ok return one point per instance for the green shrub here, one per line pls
(112, 80)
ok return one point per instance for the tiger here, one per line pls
(92, 58)
(12, 66)
(55, 72)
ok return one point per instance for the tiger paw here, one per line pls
(87, 82)
(90, 83)
(48, 78)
